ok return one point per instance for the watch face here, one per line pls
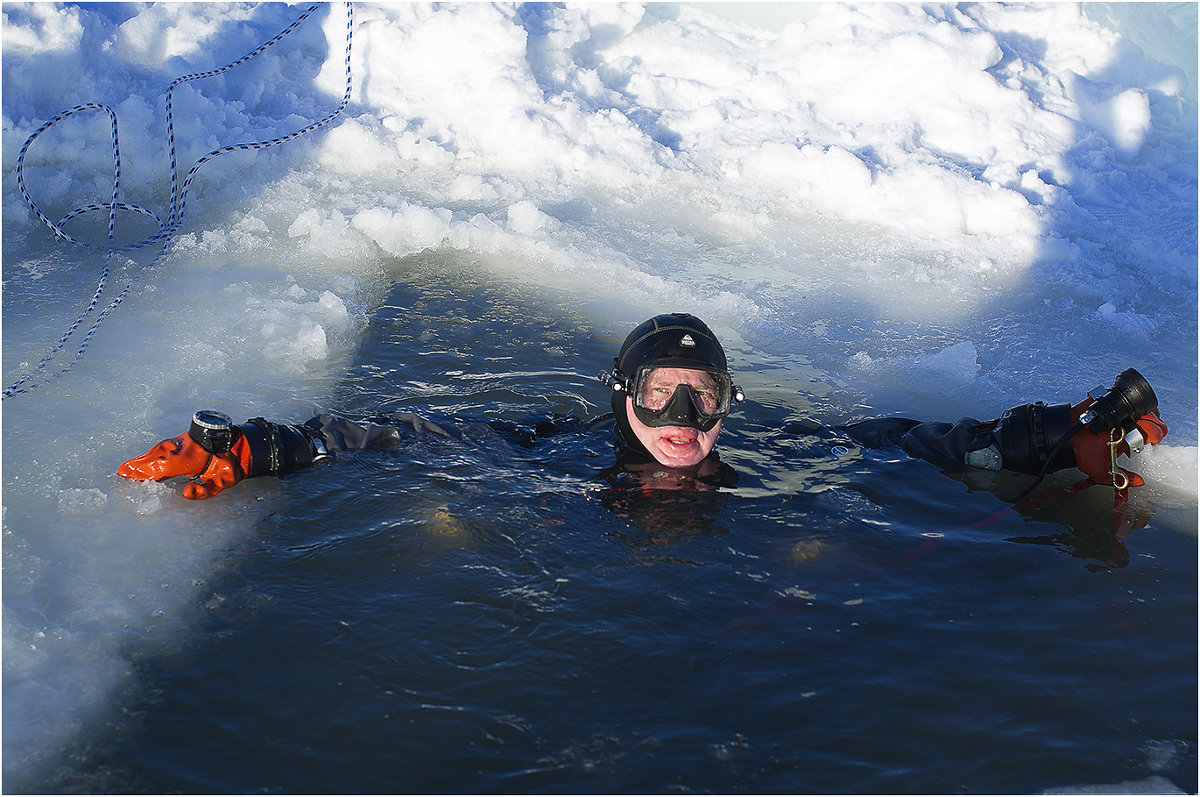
(212, 430)
(211, 419)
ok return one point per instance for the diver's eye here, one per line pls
(658, 397)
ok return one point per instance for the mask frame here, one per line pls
(684, 407)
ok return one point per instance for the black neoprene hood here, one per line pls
(674, 339)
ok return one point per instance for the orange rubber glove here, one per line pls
(183, 456)
(1092, 454)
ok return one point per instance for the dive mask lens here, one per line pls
(667, 396)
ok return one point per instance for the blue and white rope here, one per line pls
(166, 230)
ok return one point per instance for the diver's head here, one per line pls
(671, 389)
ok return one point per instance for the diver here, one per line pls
(671, 391)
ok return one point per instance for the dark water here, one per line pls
(491, 614)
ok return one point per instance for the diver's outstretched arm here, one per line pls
(1037, 438)
(216, 454)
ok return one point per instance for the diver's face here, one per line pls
(673, 446)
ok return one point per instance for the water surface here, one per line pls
(493, 614)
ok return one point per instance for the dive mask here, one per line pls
(678, 395)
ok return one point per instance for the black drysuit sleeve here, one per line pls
(1029, 438)
(277, 449)
(340, 434)
(954, 446)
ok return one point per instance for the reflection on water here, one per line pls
(667, 504)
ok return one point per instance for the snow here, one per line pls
(952, 208)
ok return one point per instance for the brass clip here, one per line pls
(1119, 480)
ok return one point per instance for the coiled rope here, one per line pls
(166, 229)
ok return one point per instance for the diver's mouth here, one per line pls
(680, 439)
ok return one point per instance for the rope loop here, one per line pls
(166, 229)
